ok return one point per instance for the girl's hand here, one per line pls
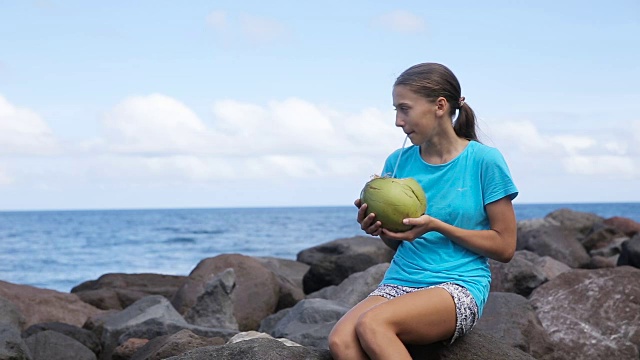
(420, 226)
(367, 223)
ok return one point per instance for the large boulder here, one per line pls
(10, 314)
(117, 290)
(52, 345)
(520, 275)
(355, 288)
(12, 346)
(581, 222)
(44, 305)
(592, 314)
(308, 323)
(476, 345)
(166, 346)
(511, 318)
(256, 349)
(214, 307)
(630, 252)
(547, 237)
(255, 296)
(332, 262)
(626, 225)
(83, 336)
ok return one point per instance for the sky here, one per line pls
(166, 104)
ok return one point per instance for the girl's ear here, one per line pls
(441, 105)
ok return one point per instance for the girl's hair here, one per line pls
(431, 81)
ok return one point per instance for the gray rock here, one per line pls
(12, 347)
(83, 336)
(10, 314)
(511, 319)
(166, 346)
(592, 314)
(549, 238)
(257, 292)
(153, 307)
(332, 262)
(582, 222)
(308, 323)
(214, 307)
(52, 345)
(476, 345)
(518, 276)
(256, 349)
(117, 290)
(355, 288)
(630, 252)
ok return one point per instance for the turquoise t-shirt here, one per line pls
(457, 193)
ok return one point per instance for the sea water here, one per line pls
(61, 249)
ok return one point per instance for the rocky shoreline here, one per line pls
(572, 291)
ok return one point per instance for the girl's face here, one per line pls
(415, 114)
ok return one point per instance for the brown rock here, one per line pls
(626, 225)
(44, 305)
(256, 294)
(127, 349)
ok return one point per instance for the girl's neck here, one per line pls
(442, 148)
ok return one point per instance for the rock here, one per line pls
(256, 349)
(83, 336)
(592, 314)
(582, 222)
(52, 345)
(475, 345)
(127, 349)
(355, 288)
(601, 237)
(151, 307)
(163, 347)
(518, 276)
(332, 262)
(10, 314)
(255, 297)
(44, 305)
(630, 252)
(214, 307)
(626, 225)
(511, 319)
(308, 323)
(248, 335)
(118, 290)
(548, 238)
(12, 347)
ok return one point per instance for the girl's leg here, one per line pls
(422, 317)
(343, 341)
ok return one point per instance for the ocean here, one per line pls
(61, 249)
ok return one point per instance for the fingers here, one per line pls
(368, 222)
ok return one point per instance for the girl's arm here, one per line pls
(498, 243)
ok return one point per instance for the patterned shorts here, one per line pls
(466, 307)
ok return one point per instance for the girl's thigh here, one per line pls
(348, 322)
(422, 317)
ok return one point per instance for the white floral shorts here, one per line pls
(466, 307)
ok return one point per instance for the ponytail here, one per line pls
(465, 124)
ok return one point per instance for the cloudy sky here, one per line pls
(164, 104)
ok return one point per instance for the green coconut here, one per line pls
(393, 200)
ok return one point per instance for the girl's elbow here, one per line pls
(507, 255)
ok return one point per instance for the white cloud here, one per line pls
(5, 179)
(248, 27)
(154, 124)
(608, 165)
(23, 132)
(582, 154)
(261, 29)
(401, 21)
(217, 20)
